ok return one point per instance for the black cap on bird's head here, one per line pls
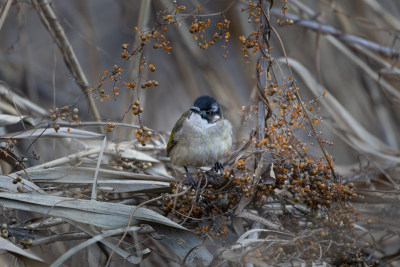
(208, 108)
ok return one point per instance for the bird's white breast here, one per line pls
(200, 143)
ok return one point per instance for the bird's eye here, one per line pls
(208, 112)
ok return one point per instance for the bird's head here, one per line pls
(208, 108)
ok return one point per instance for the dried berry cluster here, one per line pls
(198, 29)
(256, 40)
(16, 235)
(156, 38)
(310, 183)
(310, 205)
(305, 182)
(4, 230)
(143, 135)
(136, 108)
(8, 147)
(290, 115)
(125, 164)
(209, 207)
(64, 114)
(110, 126)
(212, 202)
(303, 194)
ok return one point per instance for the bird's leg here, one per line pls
(218, 166)
(189, 178)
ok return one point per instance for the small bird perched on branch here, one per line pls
(201, 137)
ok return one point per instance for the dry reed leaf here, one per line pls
(9, 119)
(252, 231)
(80, 180)
(70, 159)
(102, 214)
(18, 252)
(383, 14)
(158, 169)
(125, 150)
(100, 237)
(63, 132)
(6, 184)
(116, 186)
(85, 174)
(254, 217)
(237, 224)
(186, 245)
(21, 102)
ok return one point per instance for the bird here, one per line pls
(201, 137)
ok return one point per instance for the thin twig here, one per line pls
(301, 103)
(329, 30)
(50, 21)
(131, 217)
(144, 15)
(60, 237)
(89, 242)
(5, 12)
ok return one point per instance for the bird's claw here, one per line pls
(190, 180)
(218, 166)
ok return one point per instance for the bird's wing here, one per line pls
(178, 125)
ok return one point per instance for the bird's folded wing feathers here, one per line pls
(178, 125)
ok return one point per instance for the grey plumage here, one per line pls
(201, 137)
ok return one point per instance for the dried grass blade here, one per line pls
(102, 214)
(18, 252)
(9, 119)
(93, 240)
(85, 174)
(94, 189)
(20, 102)
(63, 132)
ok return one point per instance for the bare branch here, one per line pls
(329, 30)
(50, 21)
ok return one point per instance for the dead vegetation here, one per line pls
(311, 87)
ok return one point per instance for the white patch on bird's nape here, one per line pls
(214, 107)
